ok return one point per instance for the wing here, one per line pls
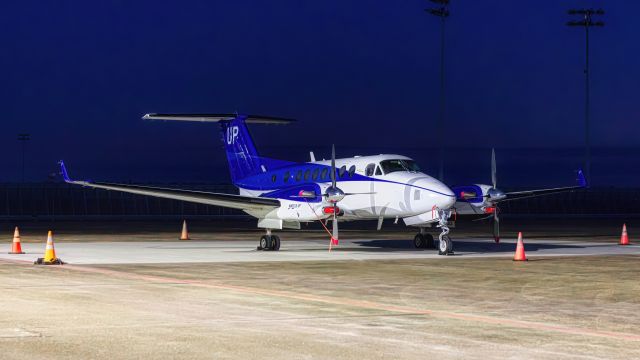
(201, 197)
(517, 195)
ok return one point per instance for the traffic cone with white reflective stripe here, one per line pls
(16, 248)
(624, 238)
(185, 232)
(519, 255)
(49, 253)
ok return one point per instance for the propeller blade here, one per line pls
(494, 179)
(333, 165)
(335, 225)
(496, 226)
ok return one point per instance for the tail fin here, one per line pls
(241, 152)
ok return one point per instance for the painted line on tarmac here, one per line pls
(364, 304)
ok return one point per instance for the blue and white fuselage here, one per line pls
(381, 191)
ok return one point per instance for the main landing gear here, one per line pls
(269, 242)
(423, 240)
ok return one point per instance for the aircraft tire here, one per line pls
(275, 242)
(418, 241)
(429, 242)
(445, 246)
(265, 242)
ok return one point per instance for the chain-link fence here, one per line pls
(58, 201)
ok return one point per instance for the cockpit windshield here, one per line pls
(389, 166)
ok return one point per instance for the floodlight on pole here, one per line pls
(586, 22)
(442, 12)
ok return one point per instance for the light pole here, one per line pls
(586, 22)
(442, 12)
(23, 138)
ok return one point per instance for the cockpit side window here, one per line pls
(378, 171)
(389, 166)
(368, 171)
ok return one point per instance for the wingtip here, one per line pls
(147, 116)
(582, 180)
(63, 172)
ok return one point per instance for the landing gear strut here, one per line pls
(423, 240)
(446, 245)
(269, 242)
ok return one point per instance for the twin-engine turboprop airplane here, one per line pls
(283, 194)
(478, 199)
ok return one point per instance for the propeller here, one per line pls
(334, 195)
(494, 195)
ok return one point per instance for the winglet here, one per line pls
(63, 172)
(582, 181)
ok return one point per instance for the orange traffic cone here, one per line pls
(185, 233)
(16, 248)
(520, 256)
(624, 238)
(49, 253)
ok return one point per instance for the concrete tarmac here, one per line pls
(128, 294)
(221, 251)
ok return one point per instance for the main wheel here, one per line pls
(275, 242)
(418, 241)
(265, 242)
(446, 246)
(429, 242)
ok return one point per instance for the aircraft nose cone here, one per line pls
(443, 197)
(447, 199)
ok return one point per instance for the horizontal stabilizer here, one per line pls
(249, 119)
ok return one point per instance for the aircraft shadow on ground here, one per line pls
(467, 246)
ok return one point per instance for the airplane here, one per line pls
(483, 199)
(283, 194)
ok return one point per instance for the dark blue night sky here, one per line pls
(78, 75)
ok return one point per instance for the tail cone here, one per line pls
(16, 248)
(185, 232)
(49, 253)
(520, 256)
(624, 238)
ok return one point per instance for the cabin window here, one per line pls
(378, 171)
(324, 173)
(342, 170)
(368, 171)
(287, 175)
(352, 170)
(307, 174)
(299, 175)
(315, 174)
(273, 178)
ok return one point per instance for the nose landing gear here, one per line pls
(446, 245)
